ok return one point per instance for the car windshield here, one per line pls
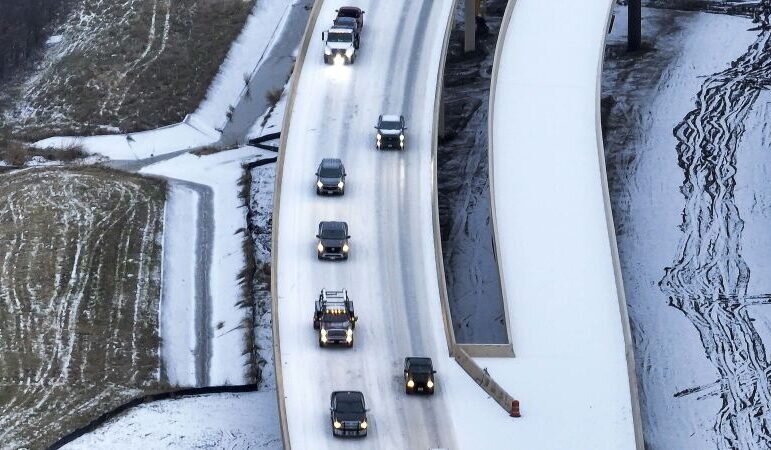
(420, 365)
(347, 21)
(349, 405)
(340, 37)
(388, 125)
(329, 172)
(333, 233)
(339, 320)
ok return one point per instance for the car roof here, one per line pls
(349, 8)
(391, 118)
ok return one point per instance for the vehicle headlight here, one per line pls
(410, 383)
(401, 137)
(323, 332)
(345, 248)
(349, 52)
(337, 424)
(430, 384)
(320, 247)
(363, 425)
(327, 51)
(340, 185)
(339, 59)
(319, 184)
(379, 136)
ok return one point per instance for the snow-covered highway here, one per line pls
(391, 273)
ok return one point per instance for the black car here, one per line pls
(348, 413)
(333, 240)
(390, 132)
(419, 375)
(353, 12)
(330, 177)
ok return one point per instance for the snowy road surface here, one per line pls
(391, 273)
(570, 372)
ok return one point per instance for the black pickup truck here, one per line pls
(335, 318)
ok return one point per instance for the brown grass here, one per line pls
(79, 303)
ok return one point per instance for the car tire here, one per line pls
(319, 256)
(321, 344)
(326, 59)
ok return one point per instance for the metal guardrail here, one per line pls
(298, 65)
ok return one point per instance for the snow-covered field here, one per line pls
(123, 65)
(80, 258)
(221, 421)
(570, 370)
(688, 152)
(201, 128)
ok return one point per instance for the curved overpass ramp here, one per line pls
(391, 274)
(554, 232)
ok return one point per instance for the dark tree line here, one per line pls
(23, 29)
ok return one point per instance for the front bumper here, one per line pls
(329, 190)
(337, 57)
(333, 256)
(394, 144)
(420, 388)
(344, 432)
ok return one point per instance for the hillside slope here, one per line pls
(123, 65)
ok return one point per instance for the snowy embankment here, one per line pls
(693, 355)
(235, 421)
(202, 127)
(221, 173)
(554, 242)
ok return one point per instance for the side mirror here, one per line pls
(433, 371)
(323, 35)
(317, 174)
(318, 237)
(348, 236)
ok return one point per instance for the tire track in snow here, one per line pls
(708, 279)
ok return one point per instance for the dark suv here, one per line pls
(390, 132)
(419, 375)
(353, 12)
(330, 177)
(333, 240)
(348, 413)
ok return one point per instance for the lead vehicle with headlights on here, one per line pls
(390, 132)
(330, 177)
(335, 318)
(340, 45)
(419, 376)
(348, 414)
(333, 240)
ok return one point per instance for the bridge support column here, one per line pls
(634, 38)
(471, 25)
